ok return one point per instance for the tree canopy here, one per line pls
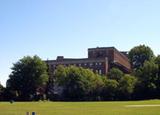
(1, 87)
(82, 84)
(110, 89)
(115, 74)
(139, 54)
(28, 74)
(127, 86)
(77, 83)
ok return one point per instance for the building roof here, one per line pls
(102, 48)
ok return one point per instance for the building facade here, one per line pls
(100, 60)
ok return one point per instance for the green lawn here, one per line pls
(82, 108)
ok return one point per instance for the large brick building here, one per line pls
(100, 60)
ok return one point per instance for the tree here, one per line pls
(77, 83)
(98, 84)
(110, 89)
(28, 75)
(56, 82)
(127, 86)
(147, 80)
(1, 87)
(115, 74)
(157, 61)
(139, 54)
(1, 92)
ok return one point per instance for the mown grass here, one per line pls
(80, 108)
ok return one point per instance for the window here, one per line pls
(100, 63)
(53, 66)
(100, 71)
(91, 64)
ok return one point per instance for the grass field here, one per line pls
(151, 107)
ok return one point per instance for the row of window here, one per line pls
(99, 71)
(84, 64)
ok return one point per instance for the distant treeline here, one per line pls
(29, 81)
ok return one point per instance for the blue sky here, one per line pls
(49, 28)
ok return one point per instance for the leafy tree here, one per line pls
(61, 75)
(1, 87)
(127, 86)
(98, 84)
(28, 75)
(77, 83)
(9, 94)
(110, 89)
(147, 85)
(157, 61)
(115, 74)
(139, 54)
(56, 82)
(1, 92)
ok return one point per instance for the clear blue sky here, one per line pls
(49, 28)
